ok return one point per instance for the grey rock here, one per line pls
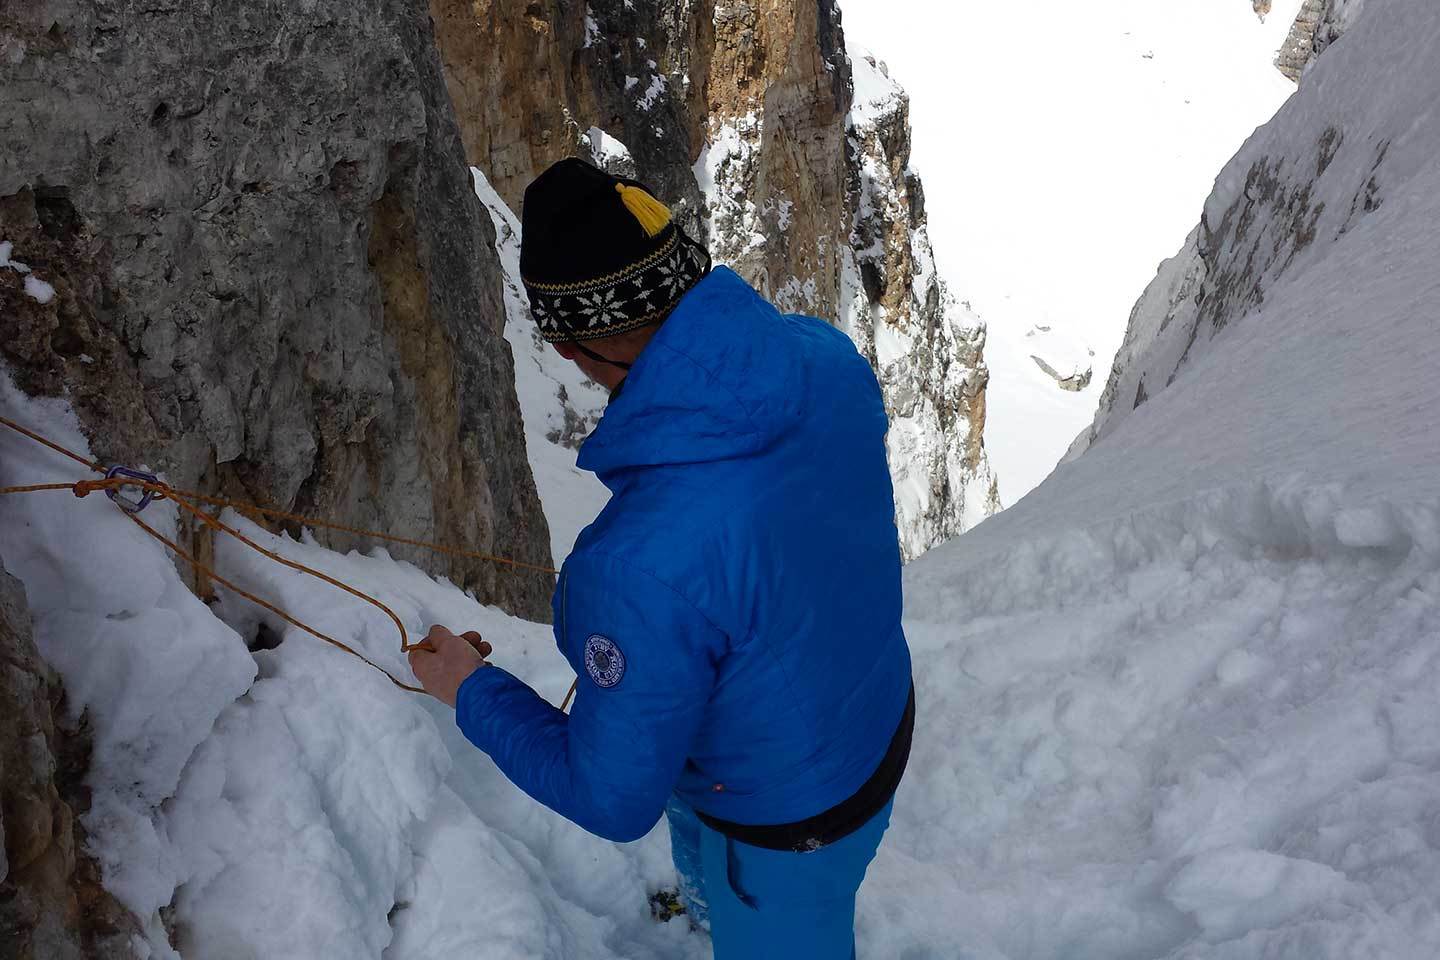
(1073, 382)
(261, 229)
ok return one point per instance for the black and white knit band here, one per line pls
(640, 294)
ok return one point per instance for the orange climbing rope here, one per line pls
(187, 501)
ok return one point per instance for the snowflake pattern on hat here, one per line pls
(589, 310)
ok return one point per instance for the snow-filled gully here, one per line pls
(1210, 722)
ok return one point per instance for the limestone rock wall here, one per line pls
(273, 278)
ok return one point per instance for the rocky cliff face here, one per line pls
(1307, 178)
(272, 278)
(52, 906)
(926, 348)
(787, 154)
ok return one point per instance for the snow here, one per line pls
(876, 95)
(1063, 165)
(293, 803)
(1180, 699)
(592, 29)
(38, 289)
(653, 92)
(146, 660)
(34, 287)
(726, 159)
(604, 150)
(555, 398)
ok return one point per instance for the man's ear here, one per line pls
(566, 349)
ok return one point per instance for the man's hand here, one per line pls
(442, 661)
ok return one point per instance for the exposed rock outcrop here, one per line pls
(52, 906)
(1073, 381)
(529, 78)
(1298, 47)
(1319, 24)
(788, 155)
(1304, 180)
(273, 280)
(926, 348)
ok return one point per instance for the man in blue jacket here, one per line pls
(733, 614)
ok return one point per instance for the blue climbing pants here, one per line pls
(772, 904)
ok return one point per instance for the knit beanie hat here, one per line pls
(599, 255)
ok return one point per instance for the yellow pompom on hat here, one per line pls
(652, 215)
(600, 255)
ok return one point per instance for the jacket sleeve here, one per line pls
(613, 762)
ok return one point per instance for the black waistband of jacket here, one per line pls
(845, 817)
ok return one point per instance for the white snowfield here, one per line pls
(1066, 152)
(1182, 702)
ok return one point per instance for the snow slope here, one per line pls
(1345, 146)
(1066, 151)
(1181, 699)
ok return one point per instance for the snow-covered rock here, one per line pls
(1333, 156)
(1319, 24)
(1069, 362)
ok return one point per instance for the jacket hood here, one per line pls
(721, 379)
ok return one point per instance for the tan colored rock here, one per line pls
(1299, 46)
(739, 113)
(52, 906)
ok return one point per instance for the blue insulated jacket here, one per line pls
(733, 614)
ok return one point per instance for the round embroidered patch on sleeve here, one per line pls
(604, 661)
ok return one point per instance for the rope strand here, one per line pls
(293, 621)
(187, 501)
